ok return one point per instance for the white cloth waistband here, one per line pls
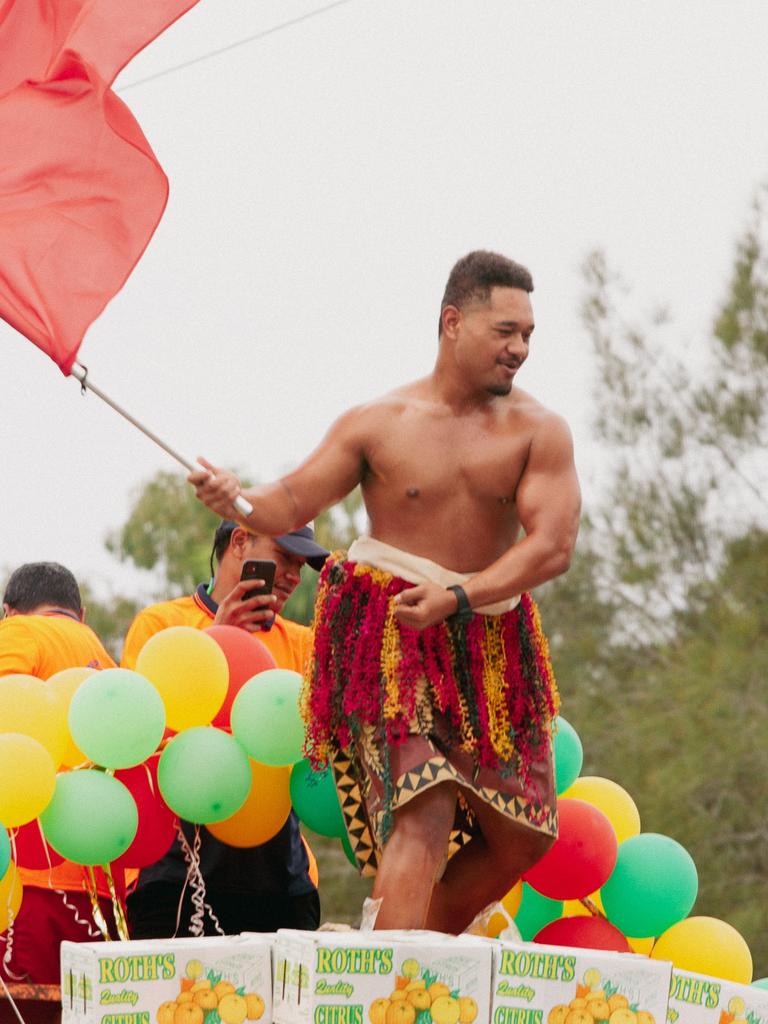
(415, 569)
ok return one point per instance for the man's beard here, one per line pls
(499, 390)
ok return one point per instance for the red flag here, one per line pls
(81, 191)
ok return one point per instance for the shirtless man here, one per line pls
(431, 690)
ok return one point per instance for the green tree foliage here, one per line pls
(682, 726)
(109, 618)
(685, 444)
(167, 532)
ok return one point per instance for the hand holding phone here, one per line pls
(234, 609)
(258, 569)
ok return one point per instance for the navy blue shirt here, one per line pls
(278, 866)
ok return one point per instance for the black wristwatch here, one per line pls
(464, 611)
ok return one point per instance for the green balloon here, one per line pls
(653, 885)
(569, 754)
(266, 720)
(761, 983)
(535, 911)
(5, 852)
(91, 819)
(349, 852)
(117, 718)
(314, 798)
(204, 775)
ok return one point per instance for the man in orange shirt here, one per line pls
(44, 629)
(265, 887)
(42, 633)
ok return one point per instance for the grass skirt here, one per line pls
(395, 710)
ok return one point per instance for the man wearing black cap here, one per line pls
(260, 888)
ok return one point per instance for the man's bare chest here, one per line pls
(442, 458)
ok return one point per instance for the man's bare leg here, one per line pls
(414, 856)
(484, 870)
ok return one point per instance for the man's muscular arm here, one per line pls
(548, 503)
(327, 475)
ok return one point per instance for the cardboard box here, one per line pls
(215, 980)
(380, 978)
(699, 999)
(538, 984)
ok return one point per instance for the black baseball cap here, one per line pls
(299, 542)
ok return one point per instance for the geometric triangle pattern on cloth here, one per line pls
(354, 814)
(363, 832)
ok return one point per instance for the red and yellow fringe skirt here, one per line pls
(395, 710)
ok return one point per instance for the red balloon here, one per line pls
(581, 858)
(584, 932)
(157, 822)
(32, 851)
(246, 656)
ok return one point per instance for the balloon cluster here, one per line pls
(97, 767)
(605, 884)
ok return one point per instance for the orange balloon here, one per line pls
(64, 684)
(10, 896)
(496, 924)
(264, 812)
(511, 902)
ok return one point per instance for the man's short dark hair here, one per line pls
(221, 540)
(475, 274)
(38, 583)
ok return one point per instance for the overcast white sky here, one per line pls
(323, 181)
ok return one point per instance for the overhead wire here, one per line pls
(232, 46)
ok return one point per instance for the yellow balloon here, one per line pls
(264, 812)
(190, 672)
(511, 902)
(706, 945)
(10, 896)
(642, 946)
(615, 803)
(27, 779)
(29, 706)
(575, 908)
(64, 684)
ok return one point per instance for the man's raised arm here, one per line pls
(333, 469)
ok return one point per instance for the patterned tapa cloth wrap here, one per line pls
(395, 710)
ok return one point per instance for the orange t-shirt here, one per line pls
(289, 643)
(42, 645)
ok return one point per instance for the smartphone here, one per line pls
(258, 569)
